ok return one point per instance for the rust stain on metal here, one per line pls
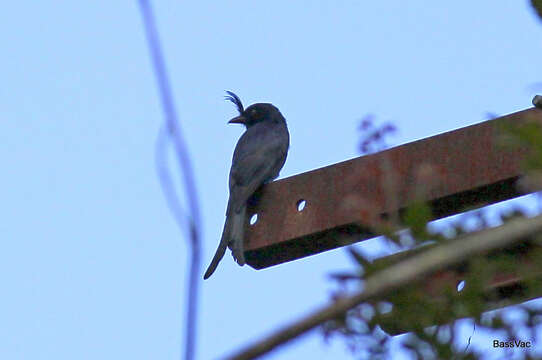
(454, 170)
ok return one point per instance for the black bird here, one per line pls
(258, 157)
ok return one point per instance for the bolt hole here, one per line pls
(460, 285)
(253, 219)
(301, 205)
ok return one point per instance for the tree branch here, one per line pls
(401, 274)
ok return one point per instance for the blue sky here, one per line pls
(92, 263)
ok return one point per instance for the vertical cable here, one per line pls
(173, 130)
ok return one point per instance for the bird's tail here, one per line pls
(232, 235)
(237, 235)
(219, 254)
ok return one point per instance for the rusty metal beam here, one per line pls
(453, 171)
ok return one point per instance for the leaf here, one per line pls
(344, 276)
(358, 257)
(416, 218)
(537, 6)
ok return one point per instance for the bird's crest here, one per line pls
(235, 99)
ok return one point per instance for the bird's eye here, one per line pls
(253, 112)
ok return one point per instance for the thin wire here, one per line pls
(470, 337)
(173, 130)
(166, 182)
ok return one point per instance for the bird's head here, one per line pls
(253, 114)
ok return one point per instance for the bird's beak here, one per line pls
(238, 120)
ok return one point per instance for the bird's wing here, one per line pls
(252, 168)
(245, 180)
